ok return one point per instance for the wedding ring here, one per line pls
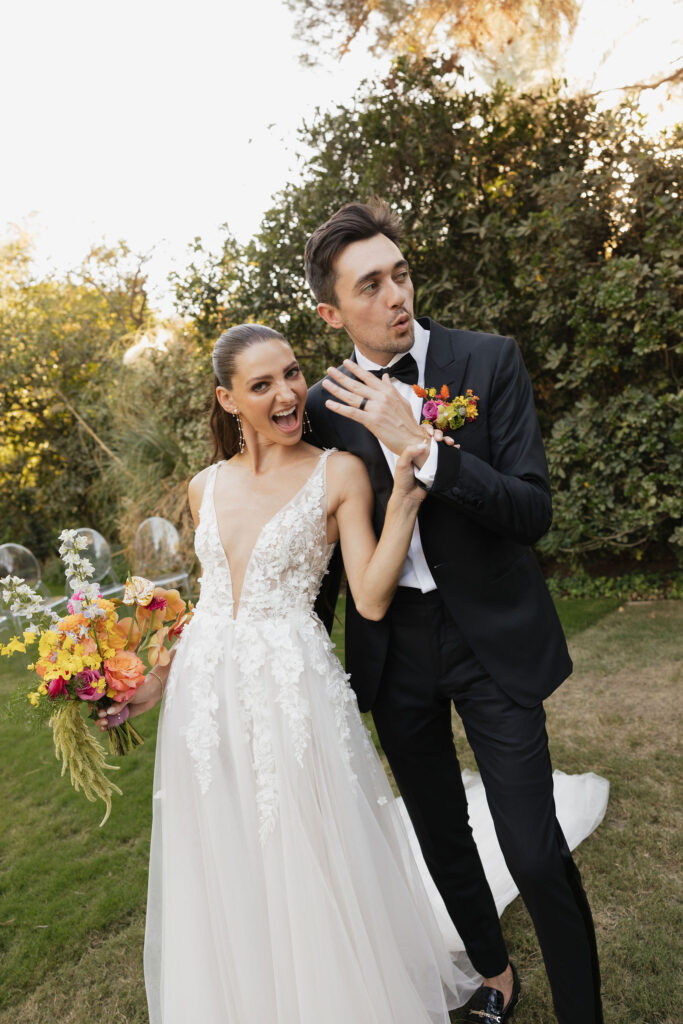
(363, 403)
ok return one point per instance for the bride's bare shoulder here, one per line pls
(195, 492)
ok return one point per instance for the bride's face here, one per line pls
(269, 392)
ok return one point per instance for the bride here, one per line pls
(282, 884)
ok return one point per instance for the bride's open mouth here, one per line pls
(287, 420)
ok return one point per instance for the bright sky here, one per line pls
(157, 120)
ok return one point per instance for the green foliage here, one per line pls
(160, 437)
(536, 216)
(632, 586)
(61, 343)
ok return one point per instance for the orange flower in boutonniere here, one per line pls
(444, 412)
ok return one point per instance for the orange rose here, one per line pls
(124, 673)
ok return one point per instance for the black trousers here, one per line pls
(430, 665)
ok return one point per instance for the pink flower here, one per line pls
(72, 606)
(430, 411)
(56, 687)
(91, 685)
(156, 602)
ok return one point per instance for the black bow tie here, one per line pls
(405, 369)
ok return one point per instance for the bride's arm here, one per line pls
(373, 568)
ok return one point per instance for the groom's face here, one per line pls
(374, 298)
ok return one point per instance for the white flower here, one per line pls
(20, 598)
(78, 569)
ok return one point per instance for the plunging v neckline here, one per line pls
(236, 604)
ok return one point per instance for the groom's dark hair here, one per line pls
(351, 223)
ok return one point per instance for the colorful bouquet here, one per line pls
(444, 412)
(91, 657)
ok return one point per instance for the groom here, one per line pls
(472, 622)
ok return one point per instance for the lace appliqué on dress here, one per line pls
(275, 629)
(280, 585)
(204, 640)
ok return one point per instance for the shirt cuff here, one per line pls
(426, 473)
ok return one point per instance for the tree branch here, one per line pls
(79, 419)
(675, 76)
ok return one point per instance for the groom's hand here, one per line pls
(385, 413)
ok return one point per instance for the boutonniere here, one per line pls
(442, 411)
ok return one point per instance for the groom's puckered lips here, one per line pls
(401, 320)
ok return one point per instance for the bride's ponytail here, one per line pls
(224, 427)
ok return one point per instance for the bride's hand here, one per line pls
(115, 714)
(145, 697)
(405, 484)
(438, 435)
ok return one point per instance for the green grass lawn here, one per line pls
(72, 896)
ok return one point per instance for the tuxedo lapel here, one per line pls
(445, 364)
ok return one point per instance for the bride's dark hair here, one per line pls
(224, 429)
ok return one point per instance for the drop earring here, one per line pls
(308, 429)
(240, 432)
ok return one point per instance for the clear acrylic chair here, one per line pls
(9, 626)
(156, 548)
(98, 552)
(16, 560)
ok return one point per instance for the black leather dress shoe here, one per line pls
(486, 1005)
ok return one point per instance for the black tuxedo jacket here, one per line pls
(489, 501)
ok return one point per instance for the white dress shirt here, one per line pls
(415, 569)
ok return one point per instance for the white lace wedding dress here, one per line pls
(283, 888)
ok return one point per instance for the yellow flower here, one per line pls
(47, 643)
(15, 645)
(442, 418)
(34, 698)
(42, 688)
(30, 636)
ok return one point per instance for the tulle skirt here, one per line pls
(283, 888)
